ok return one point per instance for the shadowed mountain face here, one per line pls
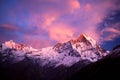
(106, 68)
(59, 62)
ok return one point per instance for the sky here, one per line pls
(43, 23)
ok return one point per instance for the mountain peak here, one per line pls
(81, 49)
(82, 38)
(86, 39)
(12, 44)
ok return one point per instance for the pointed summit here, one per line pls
(91, 40)
(86, 39)
(82, 38)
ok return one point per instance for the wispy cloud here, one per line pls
(48, 21)
(110, 33)
(110, 26)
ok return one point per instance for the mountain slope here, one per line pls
(66, 53)
(63, 58)
(106, 68)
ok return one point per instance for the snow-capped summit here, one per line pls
(83, 38)
(86, 39)
(84, 47)
(12, 44)
(67, 54)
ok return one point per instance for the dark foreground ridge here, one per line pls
(107, 68)
(30, 69)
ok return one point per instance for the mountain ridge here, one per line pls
(68, 53)
(64, 58)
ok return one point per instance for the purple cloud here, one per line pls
(49, 21)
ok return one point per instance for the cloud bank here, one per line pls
(42, 23)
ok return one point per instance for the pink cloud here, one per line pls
(36, 42)
(74, 5)
(9, 27)
(110, 37)
(94, 34)
(113, 30)
(49, 19)
(8, 32)
(90, 15)
(58, 17)
(88, 7)
(61, 32)
(113, 33)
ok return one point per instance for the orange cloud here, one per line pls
(61, 33)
